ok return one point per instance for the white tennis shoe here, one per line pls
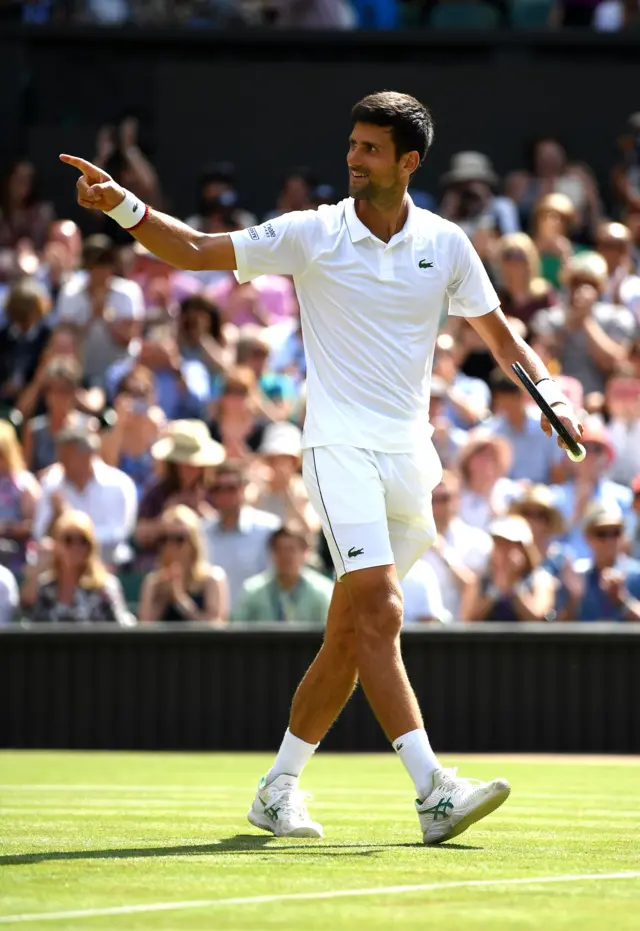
(455, 803)
(280, 807)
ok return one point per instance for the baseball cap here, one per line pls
(82, 436)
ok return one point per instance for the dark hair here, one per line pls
(33, 197)
(98, 250)
(200, 302)
(218, 173)
(289, 533)
(500, 383)
(410, 121)
(234, 468)
(531, 147)
(301, 171)
(27, 300)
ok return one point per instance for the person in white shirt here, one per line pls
(9, 595)
(105, 309)
(372, 274)
(421, 596)
(614, 243)
(460, 553)
(82, 481)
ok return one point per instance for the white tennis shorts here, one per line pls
(375, 507)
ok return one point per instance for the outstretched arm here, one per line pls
(507, 347)
(172, 241)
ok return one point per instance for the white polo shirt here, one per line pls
(370, 314)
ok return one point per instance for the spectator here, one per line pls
(185, 587)
(553, 222)
(119, 153)
(626, 172)
(201, 335)
(82, 481)
(634, 521)
(550, 172)
(218, 187)
(60, 381)
(460, 552)
(289, 591)
(613, 15)
(265, 301)
(589, 338)
(278, 388)
(469, 199)
(237, 536)
(521, 290)
(127, 446)
(9, 596)
(614, 244)
(421, 596)
(238, 422)
(623, 407)
(515, 588)
(181, 387)
(632, 222)
(69, 583)
(19, 493)
(535, 457)
(447, 438)
(296, 193)
(588, 484)
(23, 338)
(604, 586)
(61, 256)
(283, 492)
(23, 214)
(106, 310)
(468, 398)
(538, 508)
(484, 465)
(185, 453)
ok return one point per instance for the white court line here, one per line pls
(308, 896)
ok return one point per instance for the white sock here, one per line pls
(419, 759)
(293, 756)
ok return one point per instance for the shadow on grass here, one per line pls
(239, 844)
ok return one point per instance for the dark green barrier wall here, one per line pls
(491, 688)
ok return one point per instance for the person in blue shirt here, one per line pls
(535, 457)
(588, 484)
(606, 585)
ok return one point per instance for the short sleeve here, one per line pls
(278, 247)
(470, 291)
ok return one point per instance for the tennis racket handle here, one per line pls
(578, 456)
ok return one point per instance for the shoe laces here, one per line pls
(293, 803)
(454, 783)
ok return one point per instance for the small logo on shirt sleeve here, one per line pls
(253, 232)
(269, 231)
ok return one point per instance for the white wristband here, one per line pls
(550, 392)
(130, 212)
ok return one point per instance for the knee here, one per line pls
(379, 617)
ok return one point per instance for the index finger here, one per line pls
(87, 168)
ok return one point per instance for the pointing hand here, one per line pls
(96, 189)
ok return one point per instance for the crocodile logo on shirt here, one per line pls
(353, 552)
(424, 264)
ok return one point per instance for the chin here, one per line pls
(361, 193)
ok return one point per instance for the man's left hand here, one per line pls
(568, 418)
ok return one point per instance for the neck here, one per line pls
(384, 217)
(57, 419)
(287, 581)
(80, 481)
(443, 525)
(230, 519)
(605, 562)
(68, 575)
(516, 418)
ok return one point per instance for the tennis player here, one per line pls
(372, 275)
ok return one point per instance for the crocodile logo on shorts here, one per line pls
(424, 264)
(353, 552)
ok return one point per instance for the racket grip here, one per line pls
(577, 456)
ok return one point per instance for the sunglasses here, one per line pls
(596, 449)
(74, 539)
(611, 533)
(218, 489)
(178, 538)
(441, 499)
(236, 392)
(515, 255)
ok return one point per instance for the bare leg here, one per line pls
(376, 601)
(331, 678)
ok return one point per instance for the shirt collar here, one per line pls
(358, 231)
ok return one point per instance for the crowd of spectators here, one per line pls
(602, 15)
(150, 419)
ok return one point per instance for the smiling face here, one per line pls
(376, 173)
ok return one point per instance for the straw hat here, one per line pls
(516, 530)
(281, 439)
(469, 166)
(188, 442)
(588, 266)
(601, 515)
(479, 439)
(539, 496)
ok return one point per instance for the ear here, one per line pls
(411, 161)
